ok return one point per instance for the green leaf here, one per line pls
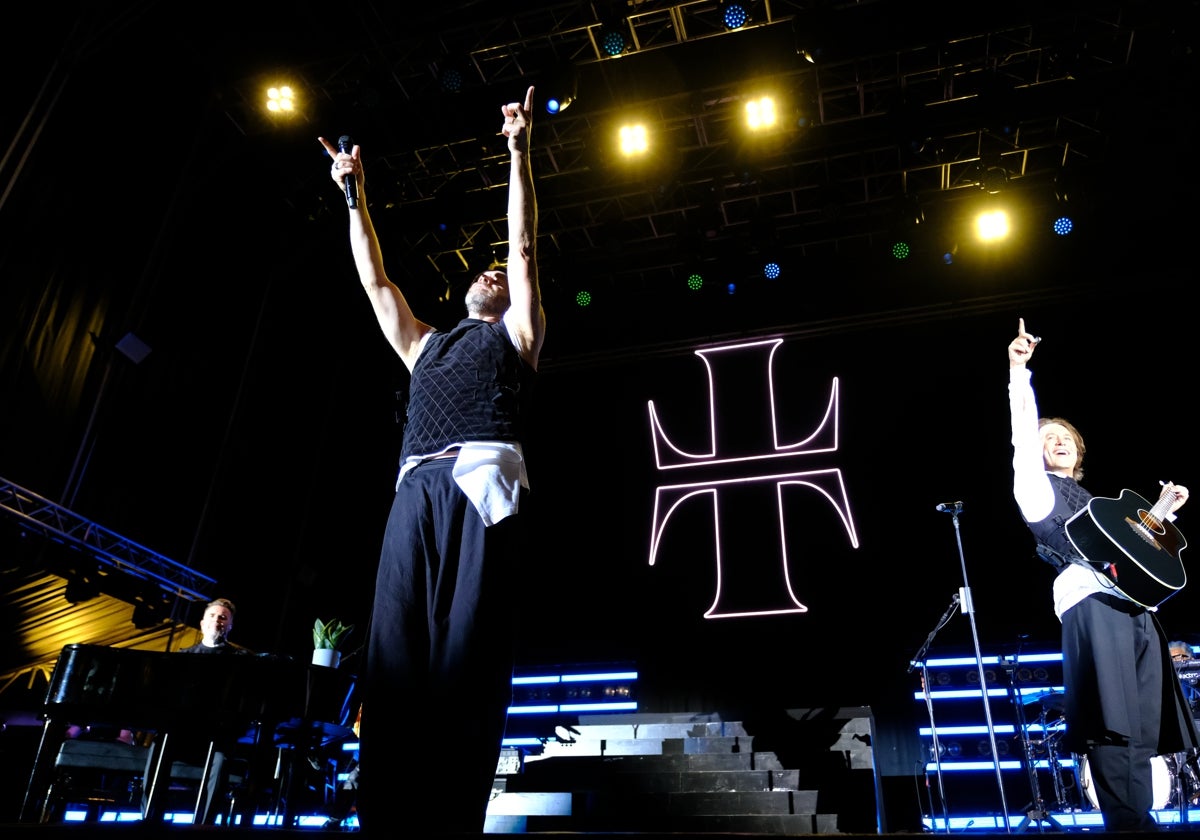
(329, 635)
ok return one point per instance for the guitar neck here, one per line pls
(1162, 508)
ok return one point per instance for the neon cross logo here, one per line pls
(739, 589)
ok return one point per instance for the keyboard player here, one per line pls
(1188, 668)
(193, 748)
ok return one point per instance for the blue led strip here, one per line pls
(615, 676)
(534, 710)
(973, 693)
(551, 708)
(627, 706)
(542, 680)
(979, 729)
(950, 766)
(1003, 729)
(991, 660)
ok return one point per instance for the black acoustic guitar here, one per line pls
(1130, 541)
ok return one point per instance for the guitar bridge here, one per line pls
(1145, 533)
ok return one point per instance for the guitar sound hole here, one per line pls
(1144, 532)
(1151, 523)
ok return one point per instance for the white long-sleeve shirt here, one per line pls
(1034, 491)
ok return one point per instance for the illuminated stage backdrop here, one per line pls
(754, 521)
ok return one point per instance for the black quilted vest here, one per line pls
(1069, 499)
(468, 384)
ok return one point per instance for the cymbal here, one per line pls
(1041, 696)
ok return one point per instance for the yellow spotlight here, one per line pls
(634, 140)
(761, 113)
(992, 226)
(281, 99)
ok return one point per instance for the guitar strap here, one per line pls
(1054, 558)
(1060, 561)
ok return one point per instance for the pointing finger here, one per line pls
(328, 147)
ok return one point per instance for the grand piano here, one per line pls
(287, 704)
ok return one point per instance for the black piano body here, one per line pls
(156, 691)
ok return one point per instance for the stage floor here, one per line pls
(147, 832)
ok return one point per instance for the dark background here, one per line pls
(257, 442)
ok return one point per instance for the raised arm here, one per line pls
(525, 317)
(1031, 488)
(400, 327)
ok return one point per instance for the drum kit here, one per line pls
(1166, 779)
(1174, 779)
(1049, 724)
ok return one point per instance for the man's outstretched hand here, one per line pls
(1020, 351)
(517, 122)
(344, 165)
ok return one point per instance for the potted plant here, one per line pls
(327, 640)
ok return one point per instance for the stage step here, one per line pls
(726, 745)
(672, 773)
(792, 825)
(660, 774)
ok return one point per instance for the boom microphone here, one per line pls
(950, 507)
(345, 145)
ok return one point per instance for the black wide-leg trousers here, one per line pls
(439, 658)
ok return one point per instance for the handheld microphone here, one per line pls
(950, 507)
(345, 145)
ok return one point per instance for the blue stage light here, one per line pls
(735, 15)
(612, 42)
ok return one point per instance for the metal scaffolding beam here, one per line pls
(111, 551)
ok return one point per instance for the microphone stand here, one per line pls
(919, 659)
(954, 509)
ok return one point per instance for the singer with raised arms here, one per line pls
(1123, 704)
(438, 674)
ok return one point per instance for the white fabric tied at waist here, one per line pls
(490, 473)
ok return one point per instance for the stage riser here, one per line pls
(697, 774)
